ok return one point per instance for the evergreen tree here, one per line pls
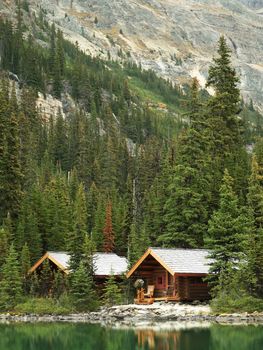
(25, 266)
(59, 213)
(60, 142)
(187, 204)
(99, 222)
(83, 294)
(14, 174)
(60, 52)
(112, 294)
(34, 285)
(89, 249)
(59, 284)
(57, 79)
(28, 231)
(76, 238)
(10, 284)
(226, 142)
(52, 49)
(4, 114)
(4, 245)
(254, 242)
(227, 231)
(138, 243)
(108, 233)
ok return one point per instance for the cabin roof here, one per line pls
(105, 264)
(185, 261)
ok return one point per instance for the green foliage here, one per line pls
(227, 231)
(254, 241)
(10, 283)
(112, 293)
(226, 136)
(82, 290)
(60, 284)
(25, 266)
(76, 238)
(188, 197)
(228, 304)
(44, 306)
(4, 244)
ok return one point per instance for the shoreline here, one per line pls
(141, 315)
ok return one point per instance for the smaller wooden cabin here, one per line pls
(176, 274)
(105, 264)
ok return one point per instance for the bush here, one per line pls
(228, 304)
(44, 306)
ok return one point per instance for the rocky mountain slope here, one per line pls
(175, 38)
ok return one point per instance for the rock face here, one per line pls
(256, 4)
(175, 38)
(144, 316)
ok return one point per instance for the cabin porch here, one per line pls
(165, 286)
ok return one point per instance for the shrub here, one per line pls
(44, 306)
(228, 304)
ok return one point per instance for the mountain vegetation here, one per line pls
(135, 161)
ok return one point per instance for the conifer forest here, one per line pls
(131, 161)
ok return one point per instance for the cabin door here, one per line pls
(160, 281)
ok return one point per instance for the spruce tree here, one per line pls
(76, 237)
(227, 230)
(34, 290)
(4, 115)
(112, 293)
(89, 249)
(254, 242)
(187, 202)
(4, 245)
(81, 289)
(108, 245)
(10, 284)
(52, 49)
(138, 243)
(227, 147)
(25, 266)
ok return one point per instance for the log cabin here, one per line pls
(176, 274)
(105, 265)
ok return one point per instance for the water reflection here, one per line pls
(90, 337)
(151, 339)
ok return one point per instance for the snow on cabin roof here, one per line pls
(184, 260)
(105, 264)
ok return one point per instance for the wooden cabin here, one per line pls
(105, 264)
(173, 274)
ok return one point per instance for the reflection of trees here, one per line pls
(58, 336)
(150, 339)
(236, 337)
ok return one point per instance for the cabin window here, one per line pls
(160, 281)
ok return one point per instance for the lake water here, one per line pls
(93, 337)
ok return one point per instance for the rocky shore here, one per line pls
(143, 315)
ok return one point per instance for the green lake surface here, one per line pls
(58, 336)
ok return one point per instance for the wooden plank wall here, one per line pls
(192, 288)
